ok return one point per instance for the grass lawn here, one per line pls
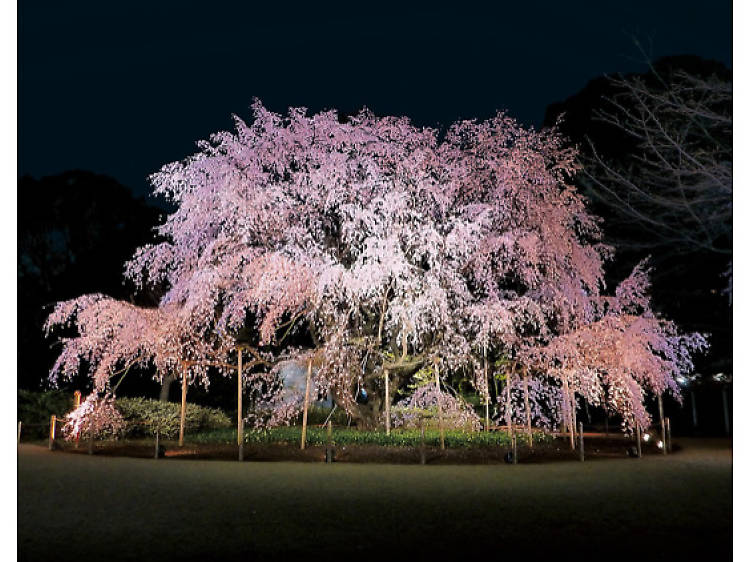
(76, 507)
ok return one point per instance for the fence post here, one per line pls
(668, 444)
(329, 442)
(307, 400)
(638, 439)
(91, 437)
(663, 428)
(52, 423)
(580, 437)
(515, 449)
(439, 406)
(76, 405)
(156, 445)
(486, 398)
(387, 403)
(183, 405)
(422, 459)
(240, 420)
(725, 402)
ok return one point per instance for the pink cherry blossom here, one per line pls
(373, 245)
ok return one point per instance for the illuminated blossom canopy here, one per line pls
(369, 245)
(113, 336)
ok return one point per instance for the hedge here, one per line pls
(352, 436)
(144, 416)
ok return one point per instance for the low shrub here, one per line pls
(352, 436)
(144, 416)
(35, 409)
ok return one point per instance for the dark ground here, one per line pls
(77, 507)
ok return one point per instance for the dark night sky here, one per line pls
(122, 90)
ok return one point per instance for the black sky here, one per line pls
(122, 89)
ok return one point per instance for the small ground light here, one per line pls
(660, 445)
(646, 437)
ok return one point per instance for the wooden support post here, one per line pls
(569, 421)
(183, 408)
(422, 455)
(487, 396)
(528, 408)
(497, 391)
(508, 404)
(663, 428)
(439, 406)
(91, 438)
(387, 404)
(76, 404)
(329, 442)
(307, 400)
(580, 441)
(52, 423)
(509, 415)
(574, 421)
(606, 415)
(240, 420)
(156, 444)
(638, 439)
(19, 433)
(668, 444)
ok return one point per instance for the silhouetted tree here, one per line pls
(75, 230)
(657, 156)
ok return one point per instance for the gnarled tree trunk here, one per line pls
(166, 384)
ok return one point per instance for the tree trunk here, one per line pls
(166, 384)
(370, 415)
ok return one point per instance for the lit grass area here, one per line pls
(76, 507)
(352, 436)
